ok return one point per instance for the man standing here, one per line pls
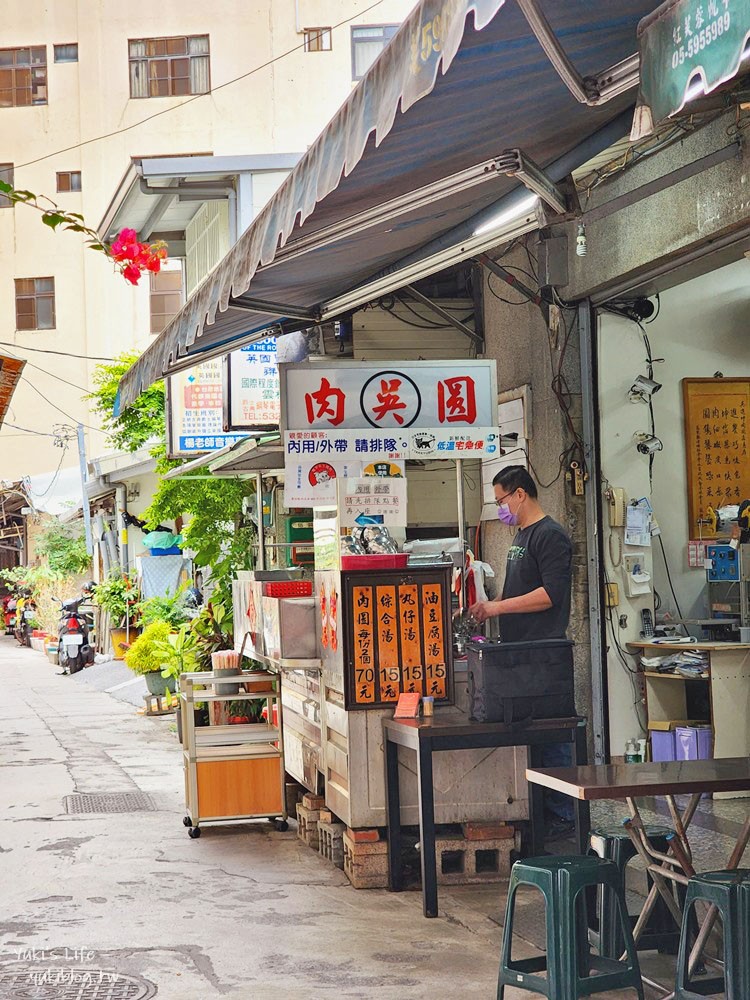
(535, 602)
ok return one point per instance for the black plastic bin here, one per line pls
(516, 681)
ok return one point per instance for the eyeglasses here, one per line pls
(502, 499)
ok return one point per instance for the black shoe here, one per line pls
(559, 829)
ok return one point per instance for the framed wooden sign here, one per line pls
(398, 636)
(716, 413)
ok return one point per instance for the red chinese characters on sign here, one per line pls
(457, 400)
(328, 402)
(389, 400)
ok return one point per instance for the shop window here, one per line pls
(66, 53)
(169, 67)
(367, 44)
(35, 303)
(23, 77)
(69, 180)
(318, 40)
(166, 297)
(6, 174)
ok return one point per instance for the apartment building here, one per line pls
(90, 91)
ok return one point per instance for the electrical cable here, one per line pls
(27, 430)
(669, 575)
(194, 97)
(39, 496)
(61, 354)
(55, 407)
(51, 374)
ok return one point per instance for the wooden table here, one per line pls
(428, 736)
(667, 779)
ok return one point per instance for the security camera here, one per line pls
(642, 389)
(647, 444)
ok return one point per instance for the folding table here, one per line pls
(664, 779)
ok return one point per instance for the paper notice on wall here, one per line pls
(637, 526)
(313, 484)
(374, 500)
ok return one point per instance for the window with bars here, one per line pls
(66, 53)
(35, 303)
(69, 180)
(23, 77)
(169, 67)
(318, 40)
(367, 44)
(6, 174)
(166, 297)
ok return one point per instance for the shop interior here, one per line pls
(664, 583)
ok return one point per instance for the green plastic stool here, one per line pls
(730, 892)
(571, 970)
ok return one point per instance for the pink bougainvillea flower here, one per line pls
(132, 273)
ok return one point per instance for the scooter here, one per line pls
(74, 649)
(25, 615)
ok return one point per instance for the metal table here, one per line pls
(429, 736)
(665, 779)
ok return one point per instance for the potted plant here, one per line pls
(119, 598)
(238, 713)
(145, 656)
(179, 653)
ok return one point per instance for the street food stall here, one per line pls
(374, 621)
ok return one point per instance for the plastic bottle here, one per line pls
(631, 752)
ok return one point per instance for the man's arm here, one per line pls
(535, 600)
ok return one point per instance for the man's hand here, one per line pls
(484, 610)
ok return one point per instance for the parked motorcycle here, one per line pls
(25, 617)
(9, 614)
(74, 631)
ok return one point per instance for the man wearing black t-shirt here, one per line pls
(535, 602)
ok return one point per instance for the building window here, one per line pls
(367, 44)
(23, 77)
(69, 180)
(66, 53)
(6, 174)
(35, 303)
(166, 297)
(169, 67)
(318, 40)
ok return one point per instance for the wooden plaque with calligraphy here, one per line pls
(398, 636)
(717, 415)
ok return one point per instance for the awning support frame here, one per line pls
(444, 315)
(515, 163)
(277, 309)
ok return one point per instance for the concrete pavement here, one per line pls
(126, 906)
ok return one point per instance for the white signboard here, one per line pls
(313, 484)
(398, 396)
(253, 397)
(372, 500)
(196, 422)
(387, 446)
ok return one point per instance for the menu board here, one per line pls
(716, 445)
(398, 636)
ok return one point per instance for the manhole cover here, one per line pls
(116, 802)
(72, 983)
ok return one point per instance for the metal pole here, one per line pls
(593, 540)
(84, 496)
(461, 527)
(261, 560)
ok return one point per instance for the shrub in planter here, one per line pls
(144, 657)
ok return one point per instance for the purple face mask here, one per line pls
(506, 515)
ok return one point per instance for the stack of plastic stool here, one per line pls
(661, 932)
(571, 970)
(729, 891)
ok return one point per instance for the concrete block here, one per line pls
(472, 862)
(307, 825)
(331, 842)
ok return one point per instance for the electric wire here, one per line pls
(194, 97)
(54, 406)
(26, 430)
(61, 354)
(44, 371)
(39, 496)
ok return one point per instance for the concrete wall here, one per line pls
(701, 329)
(279, 109)
(527, 353)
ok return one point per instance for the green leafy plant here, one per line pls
(213, 630)
(46, 588)
(118, 596)
(144, 656)
(63, 548)
(171, 608)
(137, 424)
(178, 652)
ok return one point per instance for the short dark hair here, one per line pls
(514, 477)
